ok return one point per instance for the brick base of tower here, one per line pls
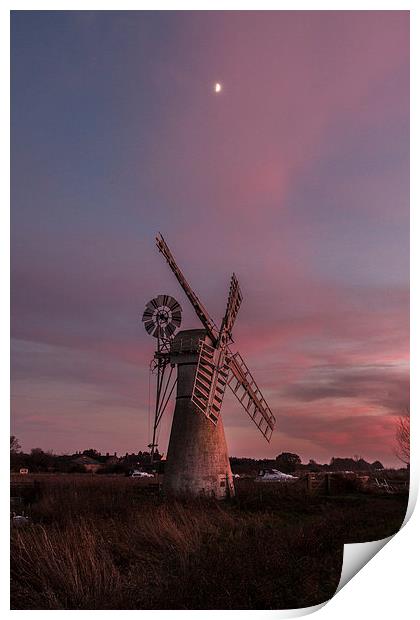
(197, 460)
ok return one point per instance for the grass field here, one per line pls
(99, 542)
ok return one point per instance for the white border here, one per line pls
(387, 586)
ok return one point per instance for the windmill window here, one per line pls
(222, 483)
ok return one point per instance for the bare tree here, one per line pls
(402, 436)
(14, 445)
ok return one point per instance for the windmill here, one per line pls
(197, 459)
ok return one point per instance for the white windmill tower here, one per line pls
(197, 458)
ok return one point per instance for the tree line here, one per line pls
(288, 463)
(37, 460)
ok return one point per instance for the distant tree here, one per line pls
(16, 456)
(402, 436)
(363, 465)
(92, 453)
(37, 452)
(377, 465)
(248, 466)
(63, 463)
(133, 460)
(288, 462)
(313, 465)
(350, 464)
(38, 460)
(15, 446)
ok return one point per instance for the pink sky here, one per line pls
(296, 177)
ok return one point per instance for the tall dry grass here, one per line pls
(106, 543)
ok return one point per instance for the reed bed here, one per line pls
(108, 543)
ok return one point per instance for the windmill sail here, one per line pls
(200, 310)
(217, 366)
(243, 385)
(233, 305)
(210, 381)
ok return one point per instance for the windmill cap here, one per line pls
(187, 340)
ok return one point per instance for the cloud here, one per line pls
(386, 386)
(296, 178)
